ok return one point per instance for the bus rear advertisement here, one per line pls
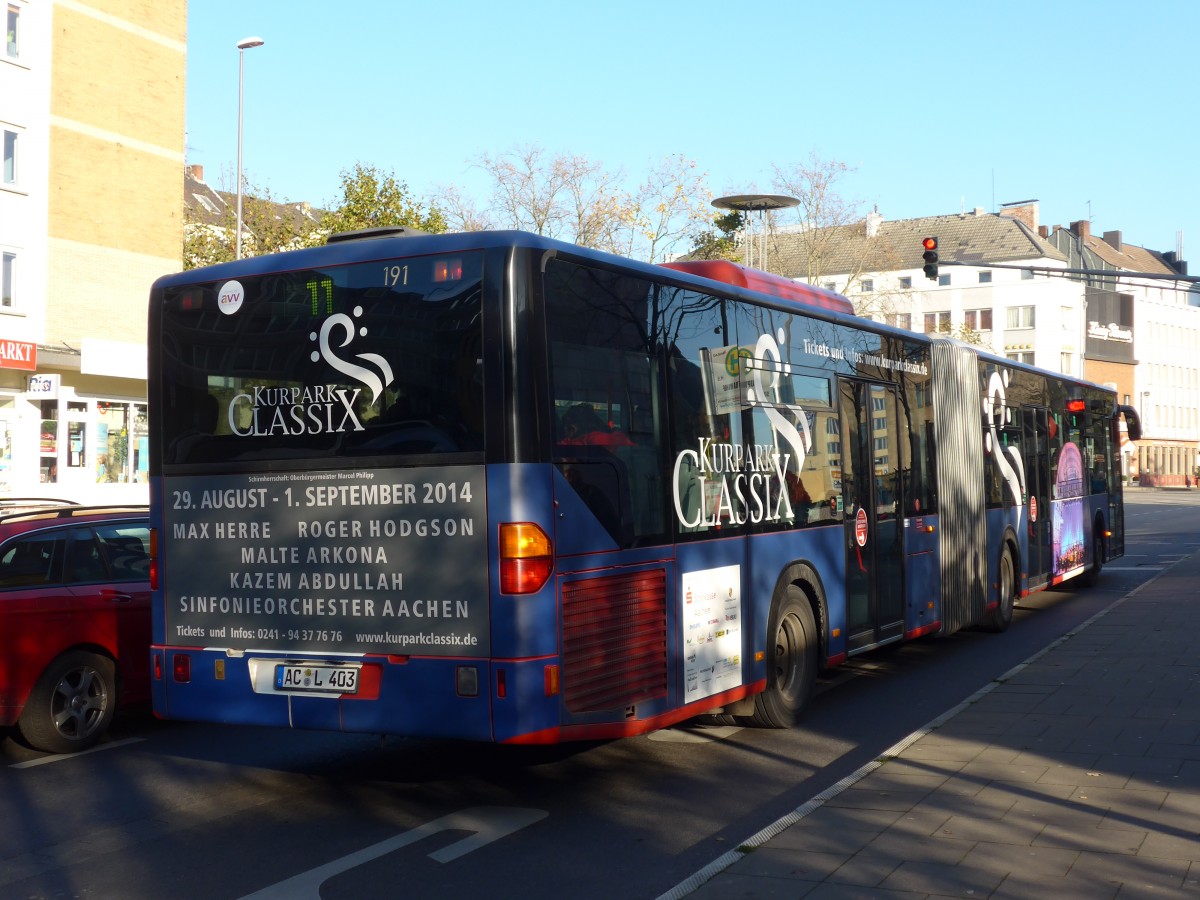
(494, 487)
(346, 561)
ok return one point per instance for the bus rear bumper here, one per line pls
(417, 697)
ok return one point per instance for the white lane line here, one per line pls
(59, 757)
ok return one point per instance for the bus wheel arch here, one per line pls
(1099, 553)
(1000, 616)
(793, 646)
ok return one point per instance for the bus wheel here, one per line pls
(792, 664)
(1092, 575)
(71, 705)
(1001, 617)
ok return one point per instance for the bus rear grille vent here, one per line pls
(614, 641)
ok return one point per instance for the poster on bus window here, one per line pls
(377, 561)
(724, 376)
(712, 631)
(1066, 510)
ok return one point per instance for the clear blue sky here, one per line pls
(1092, 108)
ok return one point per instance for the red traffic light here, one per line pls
(930, 256)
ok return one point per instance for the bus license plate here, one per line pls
(317, 679)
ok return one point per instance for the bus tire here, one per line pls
(72, 704)
(999, 618)
(792, 647)
(1090, 577)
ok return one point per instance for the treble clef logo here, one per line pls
(1007, 459)
(376, 379)
(764, 392)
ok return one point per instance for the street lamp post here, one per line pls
(243, 45)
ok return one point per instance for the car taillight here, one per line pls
(526, 558)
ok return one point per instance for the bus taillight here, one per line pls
(154, 559)
(526, 558)
(447, 269)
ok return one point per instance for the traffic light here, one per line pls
(931, 258)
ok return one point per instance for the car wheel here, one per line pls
(71, 705)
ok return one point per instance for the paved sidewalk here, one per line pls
(1075, 775)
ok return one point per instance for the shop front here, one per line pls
(72, 434)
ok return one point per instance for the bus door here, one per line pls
(1039, 559)
(871, 484)
(1116, 499)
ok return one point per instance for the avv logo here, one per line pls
(230, 297)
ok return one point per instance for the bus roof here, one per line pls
(370, 244)
(765, 283)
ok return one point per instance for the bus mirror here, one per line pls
(1133, 424)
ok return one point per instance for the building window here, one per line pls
(868, 285)
(906, 282)
(1021, 317)
(936, 322)
(10, 157)
(899, 320)
(1022, 356)
(978, 319)
(944, 279)
(8, 262)
(11, 30)
(985, 277)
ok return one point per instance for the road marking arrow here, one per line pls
(489, 823)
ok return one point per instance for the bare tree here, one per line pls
(831, 235)
(530, 192)
(668, 212)
(594, 205)
(573, 198)
(461, 212)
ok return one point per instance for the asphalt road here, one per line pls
(170, 809)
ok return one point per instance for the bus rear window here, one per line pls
(381, 358)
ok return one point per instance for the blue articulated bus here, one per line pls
(496, 487)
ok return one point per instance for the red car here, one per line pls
(74, 620)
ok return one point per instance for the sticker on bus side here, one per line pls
(377, 561)
(711, 625)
